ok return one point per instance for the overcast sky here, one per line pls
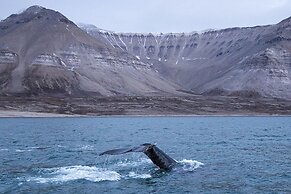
(161, 15)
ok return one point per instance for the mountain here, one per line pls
(250, 61)
(43, 52)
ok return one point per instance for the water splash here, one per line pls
(70, 173)
(130, 163)
(190, 165)
(141, 176)
(95, 174)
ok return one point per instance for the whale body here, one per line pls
(157, 156)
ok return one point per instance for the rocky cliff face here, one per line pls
(43, 52)
(235, 61)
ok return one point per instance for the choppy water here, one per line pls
(214, 154)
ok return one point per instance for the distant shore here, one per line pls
(25, 114)
(142, 106)
(12, 114)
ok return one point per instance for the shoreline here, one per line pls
(189, 106)
(27, 114)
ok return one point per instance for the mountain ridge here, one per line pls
(43, 52)
(218, 55)
(50, 54)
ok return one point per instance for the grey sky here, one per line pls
(161, 15)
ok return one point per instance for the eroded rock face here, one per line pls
(275, 62)
(250, 60)
(48, 73)
(55, 56)
(48, 60)
(41, 51)
(50, 79)
(8, 61)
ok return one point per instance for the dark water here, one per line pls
(60, 155)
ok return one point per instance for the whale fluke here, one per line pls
(122, 151)
(157, 156)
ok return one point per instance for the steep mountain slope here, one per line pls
(41, 51)
(237, 61)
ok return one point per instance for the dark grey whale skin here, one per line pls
(157, 156)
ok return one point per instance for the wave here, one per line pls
(61, 146)
(190, 165)
(38, 148)
(87, 147)
(84, 148)
(70, 173)
(30, 149)
(23, 150)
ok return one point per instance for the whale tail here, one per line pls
(140, 148)
(157, 156)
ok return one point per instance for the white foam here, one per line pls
(139, 162)
(20, 150)
(190, 165)
(87, 147)
(4, 149)
(70, 173)
(140, 176)
(30, 149)
(35, 147)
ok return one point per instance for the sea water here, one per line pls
(214, 155)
